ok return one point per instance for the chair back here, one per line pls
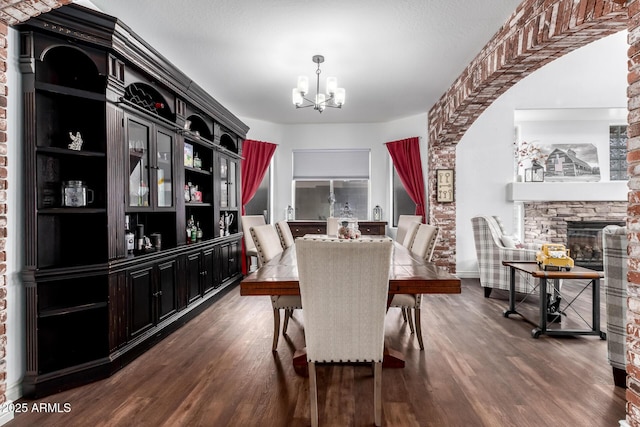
(332, 226)
(344, 307)
(267, 242)
(249, 221)
(404, 221)
(284, 231)
(614, 246)
(425, 241)
(411, 234)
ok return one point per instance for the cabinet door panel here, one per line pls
(141, 302)
(210, 279)
(167, 283)
(193, 276)
(234, 259)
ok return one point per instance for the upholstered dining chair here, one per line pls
(411, 234)
(332, 226)
(268, 246)
(423, 245)
(404, 221)
(249, 221)
(284, 232)
(335, 295)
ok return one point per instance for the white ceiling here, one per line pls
(395, 58)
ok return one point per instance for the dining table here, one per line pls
(408, 274)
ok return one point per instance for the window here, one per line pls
(312, 198)
(402, 203)
(618, 153)
(259, 204)
(319, 173)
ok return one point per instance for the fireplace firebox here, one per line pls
(584, 240)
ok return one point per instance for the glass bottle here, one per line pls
(198, 232)
(194, 234)
(377, 213)
(190, 226)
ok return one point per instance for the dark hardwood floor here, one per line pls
(477, 369)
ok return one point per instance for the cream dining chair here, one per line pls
(404, 221)
(334, 295)
(268, 247)
(410, 235)
(249, 221)
(284, 232)
(332, 226)
(422, 246)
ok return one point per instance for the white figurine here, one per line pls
(76, 141)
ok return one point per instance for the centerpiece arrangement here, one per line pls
(349, 229)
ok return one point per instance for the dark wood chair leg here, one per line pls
(619, 377)
(487, 292)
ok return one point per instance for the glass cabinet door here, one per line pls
(228, 179)
(224, 188)
(164, 171)
(138, 135)
(233, 202)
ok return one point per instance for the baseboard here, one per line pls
(14, 391)
(468, 274)
(6, 414)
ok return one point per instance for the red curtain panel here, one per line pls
(256, 156)
(405, 155)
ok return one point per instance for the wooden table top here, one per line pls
(531, 267)
(408, 275)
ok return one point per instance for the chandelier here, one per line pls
(335, 94)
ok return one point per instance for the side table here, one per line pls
(532, 268)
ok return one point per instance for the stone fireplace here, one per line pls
(573, 224)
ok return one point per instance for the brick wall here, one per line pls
(11, 12)
(633, 220)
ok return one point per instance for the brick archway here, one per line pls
(536, 33)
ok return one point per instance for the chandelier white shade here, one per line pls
(334, 97)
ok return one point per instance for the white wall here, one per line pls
(16, 343)
(592, 77)
(313, 136)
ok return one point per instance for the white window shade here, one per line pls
(331, 164)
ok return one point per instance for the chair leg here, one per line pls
(487, 291)
(313, 394)
(276, 328)
(377, 393)
(619, 377)
(287, 315)
(418, 328)
(410, 321)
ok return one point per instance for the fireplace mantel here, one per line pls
(567, 191)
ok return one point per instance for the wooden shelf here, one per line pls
(68, 310)
(64, 90)
(200, 171)
(69, 211)
(67, 152)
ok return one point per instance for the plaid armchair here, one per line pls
(493, 246)
(614, 245)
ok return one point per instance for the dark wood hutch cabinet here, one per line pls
(92, 304)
